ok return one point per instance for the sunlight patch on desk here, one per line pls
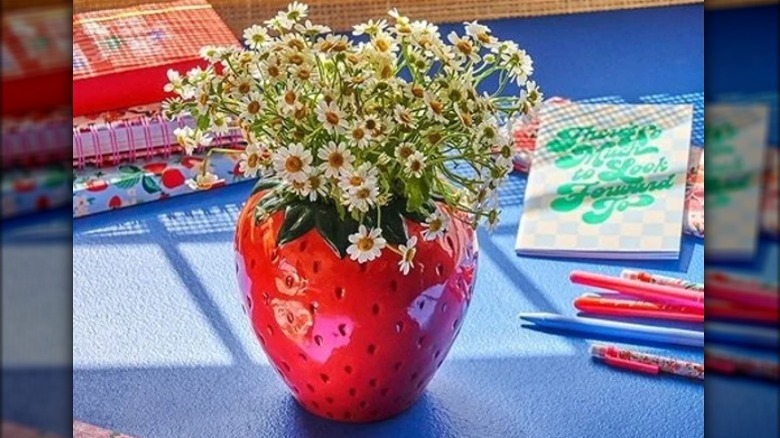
(130, 308)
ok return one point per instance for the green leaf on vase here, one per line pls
(298, 220)
(334, 229)
(150, 185)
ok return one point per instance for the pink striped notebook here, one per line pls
(111, 137)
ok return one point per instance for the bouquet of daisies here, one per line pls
(367, 130)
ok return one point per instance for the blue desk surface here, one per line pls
(161, 347)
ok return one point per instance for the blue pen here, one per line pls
(746, 336)
(637, 332)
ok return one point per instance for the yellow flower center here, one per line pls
(404, 152)
(365, 243)
(370, 124)
(336, 159)
(418, 91)
(363, 193)
(332, 118)
(273, 70)
(253, 107)
(405, 117)
(435, 225)
(355, 180)
(382, 45)
(358, 134)
(293, 164)
(252, 160)
(315, 182)
(409, 255)
(290, 97)
(296, 59)
(415, 165)
(465, 47)
(244, 87)
(436, 107)
(304, 74)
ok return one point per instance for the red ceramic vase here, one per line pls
(354, 342)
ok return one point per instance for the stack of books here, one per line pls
(124, 150)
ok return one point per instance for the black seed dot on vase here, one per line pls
(443, 307)
(325, 378)
(371, 349)
(289, 281)
(397, 400)
(266, 298)
(318, 340)
(363, 267)
(397, 366)
(261, 338)
(399, 327)
(249, 302)
(420, 341)
(455, 324)
(290, 318)
(237, 269)
(313, 307)
(436, 354)
(304, 244)
(303, 357)
(275, 255)
(330, 415)
(450, 242)
(383, 391)
(329, 400)
(252, 264)
(315, 267)
(413, 377)
(340, 292)
(419, 384)
(363, 404)
(348, 369)
(270, 330)
(439, 269)
(438, 364)
(375, 309)
(372, 383)
(296, 390)
(343, 329)
(315, 405)
(310, 387)
(352, 392)
(347, 415)
(243, 307)
(421, 304)
(286, 366)
(393, 285)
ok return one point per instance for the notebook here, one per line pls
(608, 182)
(110, 137)
(736, 139)
(36, 139)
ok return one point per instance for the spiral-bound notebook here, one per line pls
(109, 138)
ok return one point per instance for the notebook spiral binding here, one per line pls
(136, 133)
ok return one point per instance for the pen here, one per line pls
(740, 293)
(636, 332)
(738, 334)
(646, 363)
(598, 305)
(724, 310)
(647, 291)
(662, 280)
(727, 363)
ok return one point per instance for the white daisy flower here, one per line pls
(220, 124)
(403, 116)
(296, 11)
(359, 135)
(373, 125)
(175, 82)
(480, 33)
(256, 37)
(332, 43)
(408, 252)
(203, 181)
(403, 151)
(189, 138)
(336, 159)
(290, 100)
(464, 47)
(318, 187)
(251, 106)
(305, 73)
(211, 54)
(370, 27)
(415, 164)
(492, 220)
(434, 107)
(197, 75)
(365, 174)
(331, 117)
(435, 225)
(293, 163)
(250, 161)
(271, 70)
(361, 198)
(309, 28)
(301, 188)
(366, 244)
(425, 34)
(384, 43)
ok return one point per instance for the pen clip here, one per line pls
(618, 362)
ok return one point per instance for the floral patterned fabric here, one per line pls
(101, 189)
(28, 191)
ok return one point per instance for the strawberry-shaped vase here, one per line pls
(353, 342)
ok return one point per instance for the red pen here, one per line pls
(639, 289)
(727, 363)
(743, 294)
(599, 305)
(720, 309)
(646, 363)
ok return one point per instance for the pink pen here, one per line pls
(639, 289)
(646, 363)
